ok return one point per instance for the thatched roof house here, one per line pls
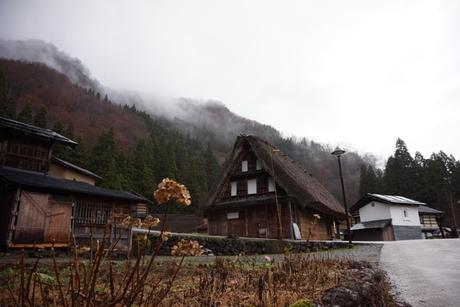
(243, 201)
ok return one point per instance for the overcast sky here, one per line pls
(359, 73)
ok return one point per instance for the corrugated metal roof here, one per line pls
(397, 199)
(6, 123)
(42, 181)
(387, 199)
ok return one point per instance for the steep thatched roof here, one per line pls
(288, 174)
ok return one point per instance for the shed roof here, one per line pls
(426, 209)
(291, 176)
(386, 199)
(75, 168)
(42, 133)
(38, 180)
(377, 224)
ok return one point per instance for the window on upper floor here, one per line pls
(244, 166)
(271, 185)
(252, 186)
(233, 190)
(406, 215)
(258, 165)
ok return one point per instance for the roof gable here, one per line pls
(288, 174)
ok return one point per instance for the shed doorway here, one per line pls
(40, 219)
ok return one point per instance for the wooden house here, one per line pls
(260, 187)
(46, 201)
(429, 221)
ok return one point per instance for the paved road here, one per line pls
(425, 272)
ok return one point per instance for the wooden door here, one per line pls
(57, 225)
(42, 220)
(32, 213)
(236, 226)
(257, 222)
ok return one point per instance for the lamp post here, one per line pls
(338, 152)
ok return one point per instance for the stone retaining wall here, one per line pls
(235, 246)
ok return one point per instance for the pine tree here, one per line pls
(212, 167)
(370, 181)
(399, 172)
(104, 156)
(142, 173)
(40, 118)
(7, 99)
(26, 115)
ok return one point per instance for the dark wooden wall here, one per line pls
(260, 221)
(7, 198)
(24, 152)
(91, 216)
(44, 218)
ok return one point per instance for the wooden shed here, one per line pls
(45, 201)
(256, 177)
(38, 209)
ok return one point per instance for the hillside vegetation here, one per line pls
(127, 147)
(183, 145)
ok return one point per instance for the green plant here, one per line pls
(302, 303)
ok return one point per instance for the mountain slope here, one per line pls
(42, 52)
(65, 102)
(68, 100)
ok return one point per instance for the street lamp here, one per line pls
(338, 152)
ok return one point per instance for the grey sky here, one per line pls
(359, 73)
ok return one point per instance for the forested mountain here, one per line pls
(33, 50)
(82, 108)
(127, 147)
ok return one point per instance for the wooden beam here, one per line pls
(14, 216)
(246, 222)
(37, 245)
(290, 219)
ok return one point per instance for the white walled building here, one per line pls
(386, 218)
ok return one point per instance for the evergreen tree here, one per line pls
(103, 162)
(26, 115)
(370, 181)
(79, 155)
(7, 99)
(212, 167)
(142, 173)
(62, 151)
(40, 118)
(58, 127)
(399, 172)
